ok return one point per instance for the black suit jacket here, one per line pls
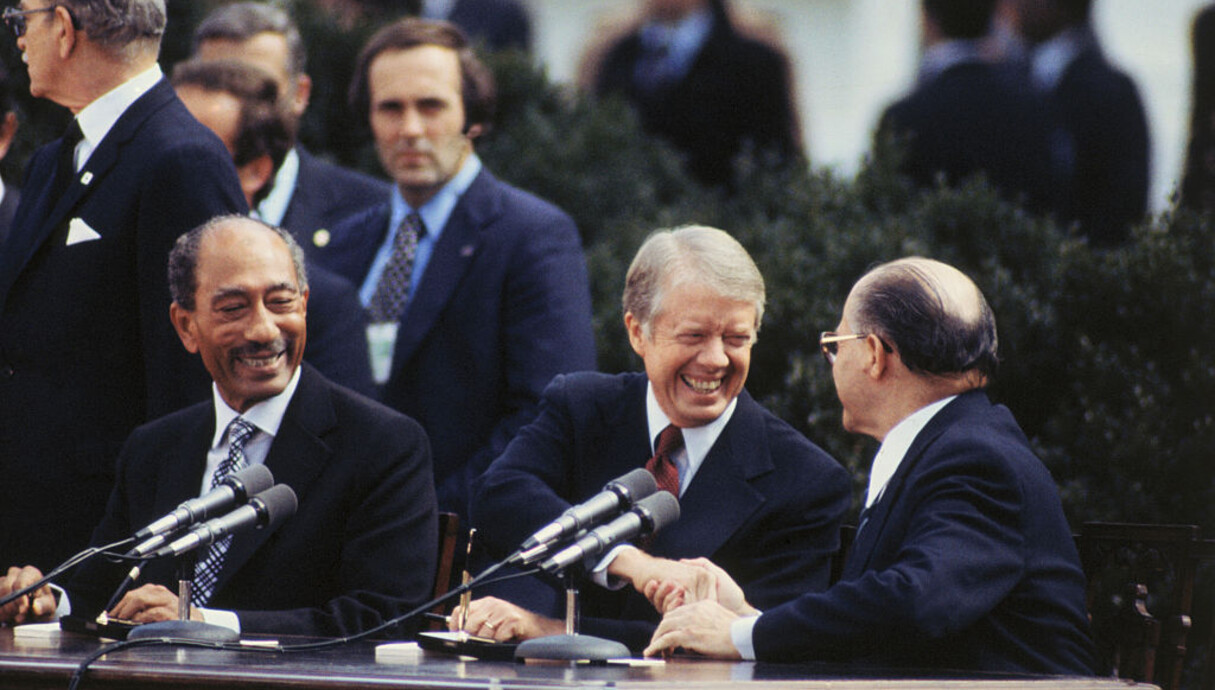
(966, 562)
(736, 91)
(978, 117)
(360, 549)
(504, 305)
(1099, 108)
(766, 505)
(87, 351)
(326, 194)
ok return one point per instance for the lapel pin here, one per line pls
(86, 178)
(467, 250)
(321, 237)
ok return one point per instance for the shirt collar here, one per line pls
(274, 206)
(698, 441)
(895, 446)
(266, 415)
(436, 211)
(683, 38)
(98, 118)
(940, 57)
(1051, 58)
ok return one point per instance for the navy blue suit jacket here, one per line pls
(978, 117)
(87, 351)
(326, 194)
(359, 550)
(504, 305)
(8, 209)
(1099, 108)
(966, 562)
(766, 505)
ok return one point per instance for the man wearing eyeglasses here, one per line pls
(963, 558)
(86, 353)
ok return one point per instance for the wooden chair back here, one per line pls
(1140, 594)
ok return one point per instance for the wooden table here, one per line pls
(49, 661)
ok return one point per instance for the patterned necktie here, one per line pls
(392, 292)
(661, 465)
(206, 571)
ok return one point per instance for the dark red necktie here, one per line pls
(661, 465)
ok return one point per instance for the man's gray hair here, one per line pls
(127, 27)
(690, 254)
(242, 21)
(183, 258)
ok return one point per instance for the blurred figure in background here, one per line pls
(309, 195)
(496, 24)
(697, 80)
(1198, 180)
(968, 115)
(1099, 109)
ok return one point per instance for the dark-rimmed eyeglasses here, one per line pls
(828, 343)
(14, 18)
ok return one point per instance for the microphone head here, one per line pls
(634, 485)
(249, 481)
(660, 510)
(279, 502)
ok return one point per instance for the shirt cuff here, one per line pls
(220, 617)
(64, 605)
(740, 635)
(600, 575)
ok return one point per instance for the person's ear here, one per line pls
(183, 323)
(636, 334)
(254, 175)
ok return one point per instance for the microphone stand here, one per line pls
(183, 628)
(571, 646)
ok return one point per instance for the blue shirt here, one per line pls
(435, 213)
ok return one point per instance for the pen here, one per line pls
(466, 597)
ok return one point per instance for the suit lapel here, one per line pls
(103, 158)
(297, 456)
(720, 498)
(452, 257)
(862, 552)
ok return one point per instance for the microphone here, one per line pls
(233, 489)
(267, 509)
(651, 514)
(617, 495)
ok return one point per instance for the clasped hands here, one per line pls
(697, 598)
(147, 604)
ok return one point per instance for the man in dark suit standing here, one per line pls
(963, 558)
(85, 351)
(1107, 146)
(699, 82)
(755, 495)
(477, 292)
(968, 115)
(360, 547)
(309, 195)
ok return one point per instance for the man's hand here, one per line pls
(702, 627)
(150, 604)
(38, 605)
(667, 584)
(502, 621)
(725, 590)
